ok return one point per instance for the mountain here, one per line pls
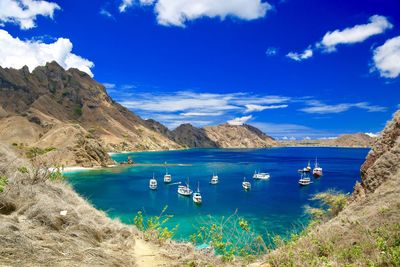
(68, 110)
(238, 136)
(345, 140)
(221, 136)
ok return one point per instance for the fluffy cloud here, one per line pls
(387, 58)
(271, 51)
(356, 34)
(178, 12)
(321, 108)
(16, 53)
(240, 120)
(25, 12)
(252, 107)
(359, 33)
(301, 56)
(372, 134)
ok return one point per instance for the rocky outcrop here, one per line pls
(238, 136)
(190, 136)
(383, 161)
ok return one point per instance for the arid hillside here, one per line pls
(52, 107)
(345, 140)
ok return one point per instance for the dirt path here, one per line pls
(148, 255)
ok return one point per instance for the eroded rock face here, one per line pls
(383, 161)
(190, 136)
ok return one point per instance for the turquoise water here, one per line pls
(275, 206)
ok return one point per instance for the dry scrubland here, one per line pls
(34, 233)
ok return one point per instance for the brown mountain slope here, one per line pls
(190, 136)
(238, 136)
(345, 140)
(34, 104)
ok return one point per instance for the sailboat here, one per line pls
(214, 179)
(304, 180)
(167, 177)
(197, 196)
(246, 185)
(185, 190)
(306, 169)
(317, 171)
(153, 183)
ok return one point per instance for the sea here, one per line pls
(277, 206)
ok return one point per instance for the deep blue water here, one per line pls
(275, 206)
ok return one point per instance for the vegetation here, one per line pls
(154, 228)
(3, 182)
(230, 237)
(33, 152)
(330, 203)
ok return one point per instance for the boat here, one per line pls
(317, 171)
(153, 183)
(167, 177)
(306, 169)
(261, 175)
(304, 180)
(197, 196)
(185, 190)
(246, 185)
(214, 179)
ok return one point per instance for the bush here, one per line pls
(331, 203)
(230, 237)
(154, 227)
(3, 183)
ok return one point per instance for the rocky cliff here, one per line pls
(383, 161)
(40, 108)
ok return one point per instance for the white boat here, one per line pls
(304, 180)
(197, 196)
(306, 169)
(153, 183)
(317, 171)
(214, 179)
(261, 175)
(185, 190)
(246, 185)
(167, 177)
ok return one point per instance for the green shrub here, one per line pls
(78, 111)
(23, 170)
(154, 227)
(3, 183)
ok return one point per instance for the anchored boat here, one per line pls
(153, 183)
(317, 171)
(197, 196)
(214, 179)
(304, 180)
(246, 185)
(167, 177)
(261, 175)
(185, 190)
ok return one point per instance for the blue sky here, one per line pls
(292, 68)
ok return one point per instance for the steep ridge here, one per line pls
(42, 103)
(190, 136)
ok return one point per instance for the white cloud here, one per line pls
(16, 53)
(239, 120)
(307, 138)
(25, 12)
(251, 107)
(357, 34)
(321, 108)
(104, 12)
(387, 58)
(124, 5)
(178, 12)
(301, 56)
(271, 51)
(372, 134)
(109, 85)
(201, 114)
